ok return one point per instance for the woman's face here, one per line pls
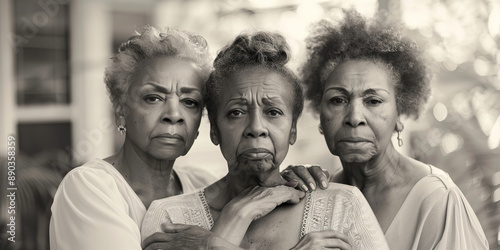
(358, 110)
(254, 121)
(164, 106)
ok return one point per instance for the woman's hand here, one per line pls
(306, 177)
(255, 202)
(251, 204)
(179, 236)
(323, 240)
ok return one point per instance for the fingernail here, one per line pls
(323, 183)
(304, 187)
(313, 187)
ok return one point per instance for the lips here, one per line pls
(354, 139)
(169, 138)
(256, 154)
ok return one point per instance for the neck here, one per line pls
(380, 171)
(142, 169)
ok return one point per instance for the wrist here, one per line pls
(240, 214)
(217, 243)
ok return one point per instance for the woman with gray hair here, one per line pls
(156, 84)
(254, 102)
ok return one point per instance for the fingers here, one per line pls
(174, 228)
(304, 178)
(275, 180)
(292, 178)
(333, 235)
(324, 239)
(286, 194)
(320, 175)
(155, 239)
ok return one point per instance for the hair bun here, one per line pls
(262, 47)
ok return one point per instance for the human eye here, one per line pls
(373, 101)
(339, 100)
(151, 99)
(274, 112)
(191, 103)
(235, 113)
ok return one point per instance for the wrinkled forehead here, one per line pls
(257, 81)
(359, 75)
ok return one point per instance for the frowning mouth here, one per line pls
(354, 140)
(255, 154)
(169, 138)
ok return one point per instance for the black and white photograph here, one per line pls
(249, 124)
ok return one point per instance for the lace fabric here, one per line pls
(339, 209)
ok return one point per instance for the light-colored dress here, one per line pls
(341, 208)
(95, 208)
(436, 215)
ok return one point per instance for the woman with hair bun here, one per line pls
(254, 102)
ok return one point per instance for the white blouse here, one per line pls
(436, 215)
(95, 208)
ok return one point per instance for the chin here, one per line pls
(259, 166)
(356, 156)
(166, 154)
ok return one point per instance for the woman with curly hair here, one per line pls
(362, 77)
(254, 102)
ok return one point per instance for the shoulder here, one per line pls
(94, 173)
(436, 189)
(340, 199)
(447, 212)
(183, 200)
(337, 190)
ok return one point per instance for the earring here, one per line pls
(400, 141)
(320, 129)
(122, 129)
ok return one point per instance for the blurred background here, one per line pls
(54, 101)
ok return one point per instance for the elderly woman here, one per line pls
(156, 84)
(361, 78)
(253, 103)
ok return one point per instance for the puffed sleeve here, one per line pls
(455, 223)
(89, 212)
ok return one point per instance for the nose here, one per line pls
(172, 113)
(355, 115)
(256, 127)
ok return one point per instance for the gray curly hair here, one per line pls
(149, 42)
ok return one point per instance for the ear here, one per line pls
(399, 125)
(214, 135)
(120, 115)
(293, 134)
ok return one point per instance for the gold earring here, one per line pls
(400, 141)
(122, 129)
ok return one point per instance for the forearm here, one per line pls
(231, 226)
(218, 243)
